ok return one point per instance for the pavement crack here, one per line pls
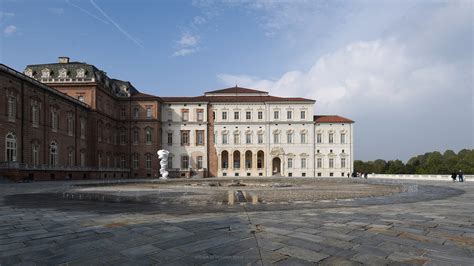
(254, 233)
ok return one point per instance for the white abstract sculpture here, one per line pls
(163, 156)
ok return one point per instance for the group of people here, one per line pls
(460, 176)
(357, 174)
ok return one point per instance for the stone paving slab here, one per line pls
(436, 228)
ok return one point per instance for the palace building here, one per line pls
(69, 120)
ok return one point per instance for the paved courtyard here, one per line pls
(430, 224)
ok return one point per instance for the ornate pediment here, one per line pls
(277, 151)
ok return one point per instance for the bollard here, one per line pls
(254, 199)
(230, 200)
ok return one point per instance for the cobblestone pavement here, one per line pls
(432, 225)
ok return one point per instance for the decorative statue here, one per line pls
(163, 156)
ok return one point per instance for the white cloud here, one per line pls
(414, 85)
(188, 39)
(56, 11)
(6, 15)
(184, 52)
(186, 45)
(9, 30)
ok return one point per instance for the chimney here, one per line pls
(63, 59)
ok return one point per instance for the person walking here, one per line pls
(453, 176)
(461, 177)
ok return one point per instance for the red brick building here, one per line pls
(69, 120)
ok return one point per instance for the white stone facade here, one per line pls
(184, 135)
(255, 134)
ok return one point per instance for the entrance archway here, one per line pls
(276, 166)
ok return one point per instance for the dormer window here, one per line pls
(62, 73)
(29, 72)
(45, 73)
(80, 73)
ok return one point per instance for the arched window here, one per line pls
(148, 136)
(53, 153)
(10, 147)
(62, 73)
(225, 159)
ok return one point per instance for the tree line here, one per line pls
(429, 163)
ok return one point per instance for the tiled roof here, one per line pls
(71, 68)
(41, 85)
(143, 95)
(236, 90)
(331, 119)
(234, 99)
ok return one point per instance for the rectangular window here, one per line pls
(83, 128)
(236, 115)
(331, 138)
(11, 108)
(184, 162)
(343, 138)
(260, 138)
(319, 138)
(303, 114)
(224, 115)
(148, 112)
(224, 139)
(276, 138)
(248, 115)
(319, 163)
(135, 112)
(122, 112)
(185, 115)
(331, 163)
(236, 139)
(135, 161)
(303, 163)
(290, 163)
(199, 162)
(35, 151)
(135, 137)
(303, 138)
(248, 138)
(200, 115)
(70, 125)
(170, 139)
(184, 137)
(148, 161)
(289, 138)
(343, 162)
(170, 162)
(54, 119)
(288, 115)
(276, 115)
(123, 136)
(199, 137)
(169, 115)
(35, 114)
(260, 115)
(148, 136)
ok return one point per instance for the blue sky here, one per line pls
(402, 69)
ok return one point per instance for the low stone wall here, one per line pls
(420, 177)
